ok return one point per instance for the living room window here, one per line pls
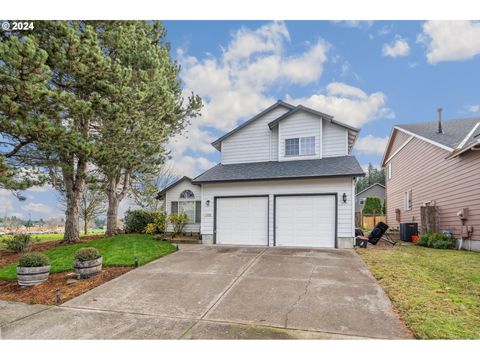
(300, 146)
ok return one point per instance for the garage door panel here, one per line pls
(242, 221)
(305, 221)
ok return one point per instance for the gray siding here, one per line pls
(253, 143)
(335, 140)
(376, 190)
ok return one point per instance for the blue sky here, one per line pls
(368, 74)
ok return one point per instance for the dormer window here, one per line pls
(300, 146)
(187, 194)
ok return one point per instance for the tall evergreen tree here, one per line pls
(146, 106)
(50, 84)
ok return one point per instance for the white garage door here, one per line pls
(242, 221)
(307, 220)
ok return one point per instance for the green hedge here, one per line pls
(437, 241)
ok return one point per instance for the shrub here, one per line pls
(18, 243)
(33, 259)
(437, 241)
(158, 225)
(88, 253)
(373, 206)
(178, 221)
(137, 220)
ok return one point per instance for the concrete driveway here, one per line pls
(216, 292)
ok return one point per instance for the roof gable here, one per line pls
(370, 187)
(279, 103)
(172, 185)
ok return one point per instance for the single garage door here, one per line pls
(242, 220)
(306, 220)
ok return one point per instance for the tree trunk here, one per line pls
(72, 223)
(112, 214)
(85, 223)
(74, 186)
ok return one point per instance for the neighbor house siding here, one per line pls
(300, 124)
(376, 190)
(251, 143)
(453, 184)
(345, 227)
(334, 140)
(173, 194)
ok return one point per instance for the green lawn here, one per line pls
(39, 238)
(118, 250)
(436, 292)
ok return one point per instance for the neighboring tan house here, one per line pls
(286, 178)
(376, 189)
(436, 163)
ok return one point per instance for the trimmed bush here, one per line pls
(88, 253)
(158, 225)
(437, 241)
(33, 259)
(178, 221)
(18, 243)
(137, 220)
(373, 206)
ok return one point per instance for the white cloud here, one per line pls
(348, 104)
(385, 30)
(359, 24)
(237, 85)
(190, 166)
(473, 108)
(398, 47)
(450, 40)
(371, 145)
(42, 209)
(43, 188)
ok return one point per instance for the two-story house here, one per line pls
(436, 163)
(286, 178)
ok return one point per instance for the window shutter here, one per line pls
(198, 212)
(174, 208)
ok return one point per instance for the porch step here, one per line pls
(185, 241)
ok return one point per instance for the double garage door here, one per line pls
(299, 220)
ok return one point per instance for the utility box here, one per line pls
(407, 230)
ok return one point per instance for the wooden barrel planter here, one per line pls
(30, 276)
(88, 268)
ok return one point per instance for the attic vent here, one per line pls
(440, 130)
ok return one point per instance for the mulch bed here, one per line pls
(45, 293)
(8, 257)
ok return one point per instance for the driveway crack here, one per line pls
(300, 297)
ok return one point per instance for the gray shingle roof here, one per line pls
(454, 131)
(274, 170)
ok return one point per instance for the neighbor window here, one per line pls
(300, 146)
(389, 171)
(407, 200)
(362, 201)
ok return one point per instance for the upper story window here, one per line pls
(389, 170)
(187, 194)
(300, 146)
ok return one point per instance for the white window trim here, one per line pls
(300, 146)
(407, 202)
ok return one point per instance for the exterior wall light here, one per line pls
(344, 197)
(207, 202)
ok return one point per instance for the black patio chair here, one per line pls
(379, 233)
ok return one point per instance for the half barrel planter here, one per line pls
(30, 276)
(88, 268)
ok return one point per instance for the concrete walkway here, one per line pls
(216, 292)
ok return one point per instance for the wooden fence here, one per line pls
(367, 221)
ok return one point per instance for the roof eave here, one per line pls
(198, 182)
